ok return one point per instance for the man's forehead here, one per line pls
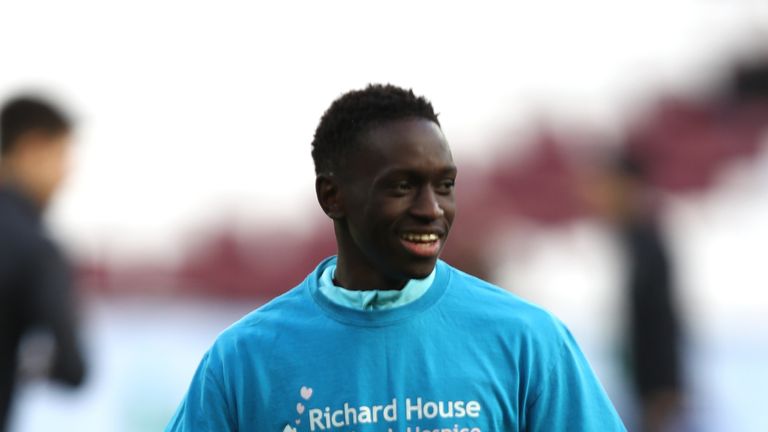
(417, 137)
(35, 138)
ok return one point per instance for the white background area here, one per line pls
(193, 111)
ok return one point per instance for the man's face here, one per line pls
(611, 195)
(398, 197)
(40, 161)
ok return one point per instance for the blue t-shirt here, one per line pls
(466, 356)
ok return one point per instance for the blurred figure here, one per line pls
(35, 280)
(624, 196)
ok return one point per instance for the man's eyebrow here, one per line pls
(395, 171)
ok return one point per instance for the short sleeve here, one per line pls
(205, 407)
(570, 396)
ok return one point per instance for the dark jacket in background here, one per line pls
(35, 293)
(653, 319)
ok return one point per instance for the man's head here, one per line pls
(34, 144)
(385, 175)
(618, 189)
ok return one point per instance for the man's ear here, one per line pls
(329, 195)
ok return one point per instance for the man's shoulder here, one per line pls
(17, 223)
(484, 300)
(265, 323)
(21, 239)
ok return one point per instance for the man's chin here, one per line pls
(421, 270)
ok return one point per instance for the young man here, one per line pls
(386, 337)
(35, 282)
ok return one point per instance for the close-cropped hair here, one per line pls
(24, 114)
(355, 112)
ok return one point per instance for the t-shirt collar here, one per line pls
(373, 299)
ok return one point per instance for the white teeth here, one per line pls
(421, 238)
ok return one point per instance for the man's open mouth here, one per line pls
(422, 244)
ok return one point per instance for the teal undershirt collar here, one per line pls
(373, 299)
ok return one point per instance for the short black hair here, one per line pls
(357, 111)
(27, 113)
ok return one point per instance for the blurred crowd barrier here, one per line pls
(685, 143)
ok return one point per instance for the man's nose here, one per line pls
(426, 205)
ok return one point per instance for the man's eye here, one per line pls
(403, 186)
(446, 186)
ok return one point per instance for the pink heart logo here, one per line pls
(306, 392)
(298, 421)
(300, 408)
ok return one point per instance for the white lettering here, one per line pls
(349, 412)
(390, 411)
(473, 409)
(420, 409)
(365, 415)
(324, 419)
(337, 423)
(316, 419)
(460, 411)
(430, 410)
(410, 409)
(446, 409)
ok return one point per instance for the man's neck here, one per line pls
(358, 276)
(11, 180)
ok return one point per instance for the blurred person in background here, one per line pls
(624, 196)
(36, 292)
(385, 336)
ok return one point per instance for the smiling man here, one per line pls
(385, 336)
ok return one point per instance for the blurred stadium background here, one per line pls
(191, 200)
